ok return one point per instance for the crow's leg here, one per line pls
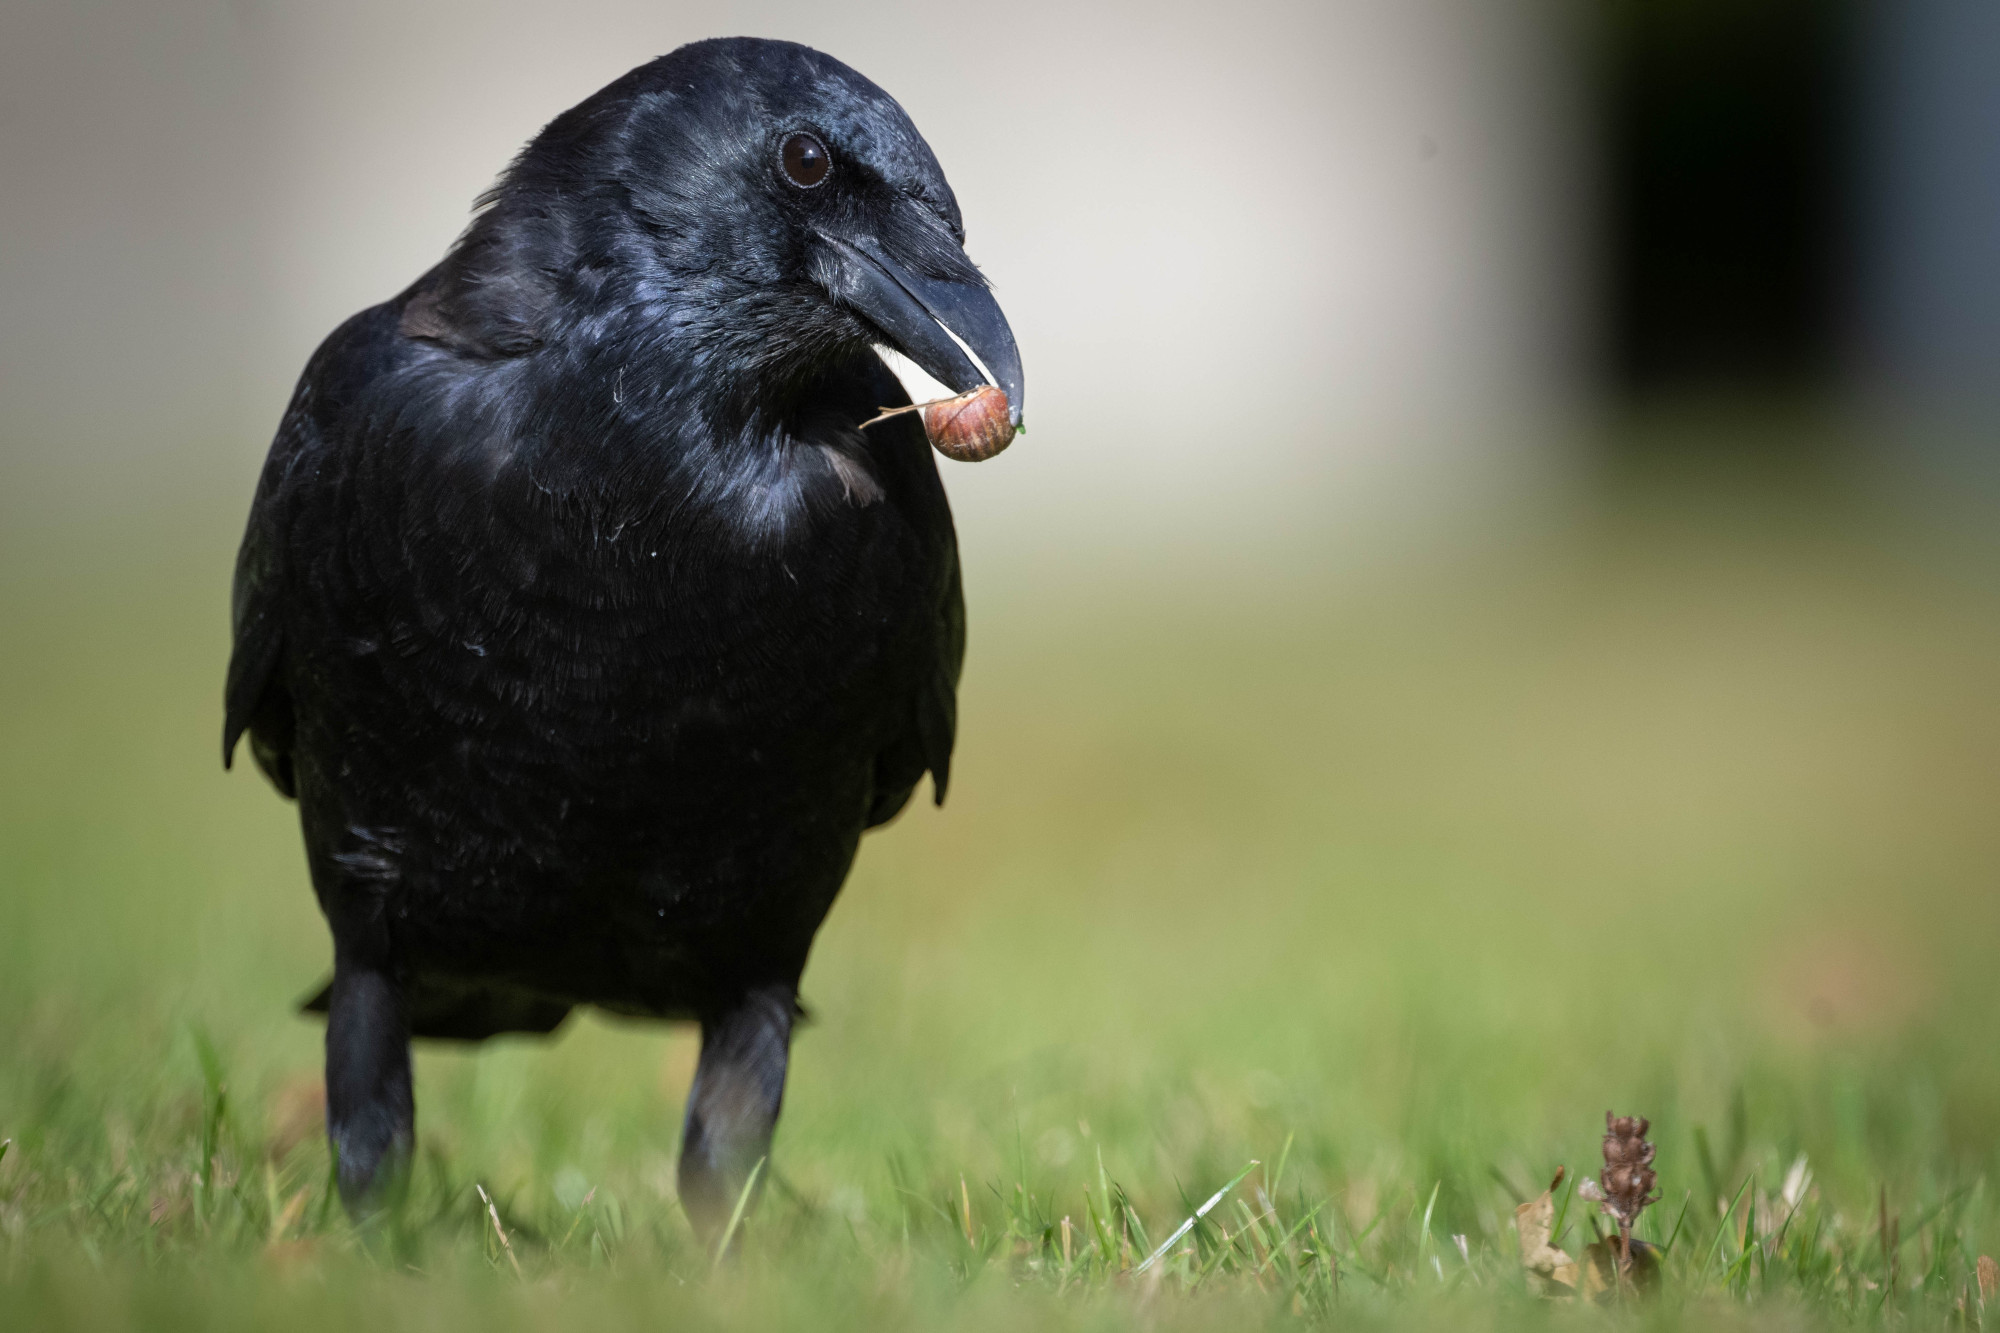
(370, 1110)
(733, 1106)
(370, 1113)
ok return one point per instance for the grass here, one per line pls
(1353, 906)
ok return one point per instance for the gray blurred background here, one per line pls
(1277, 270)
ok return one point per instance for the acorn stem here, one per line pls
(885, 413)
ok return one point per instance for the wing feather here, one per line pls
(254, 698)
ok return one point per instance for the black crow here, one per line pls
(585, 623)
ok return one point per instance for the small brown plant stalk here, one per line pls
(1628, 1180)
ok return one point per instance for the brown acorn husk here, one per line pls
(969, 428)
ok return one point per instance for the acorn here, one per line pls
(970, 428)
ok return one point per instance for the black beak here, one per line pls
(935, 322)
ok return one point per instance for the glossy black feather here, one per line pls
(582, 620)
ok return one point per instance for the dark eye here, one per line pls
(804, 160)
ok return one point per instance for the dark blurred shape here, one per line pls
(1726, 129)
(1930, 210)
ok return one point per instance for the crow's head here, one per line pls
(753, 212)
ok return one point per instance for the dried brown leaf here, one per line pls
(1600, 1268)
(1551, 1272)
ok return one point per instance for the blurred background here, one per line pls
(1272, 265)
(1495, 615)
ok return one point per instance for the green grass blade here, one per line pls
(1198, 1214)
(736, 1213)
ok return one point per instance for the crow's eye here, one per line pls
(804, 160)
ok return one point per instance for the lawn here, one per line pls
(1365, 896)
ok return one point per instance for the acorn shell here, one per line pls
(971, 427)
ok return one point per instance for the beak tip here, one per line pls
(1011, 386)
